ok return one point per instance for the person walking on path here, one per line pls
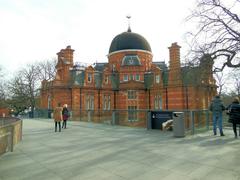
(217, 108)
(234, 114)
(57, 115)
(65, 115)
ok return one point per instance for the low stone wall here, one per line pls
(10, 133)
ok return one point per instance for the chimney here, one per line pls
(174, 64)
(65, 62)
(66, 55)
(174, 56)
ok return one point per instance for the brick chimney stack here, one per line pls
(65, 62)
(66, 55)
(174, 64)
(176, 94)
(174, 55)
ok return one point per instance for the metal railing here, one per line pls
(196, 121)
(7, 120)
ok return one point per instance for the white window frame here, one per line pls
(131, 77)
(157, 79)
(157, 102)
(132, 94)
(89, 77)
(125, 77)
(137, 77)
(106, 102)
(90, 102)
(160, 102)
(131, 59)
(132, 113)
(106, 79)
(109, 102)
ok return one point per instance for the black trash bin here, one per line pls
(49, 113)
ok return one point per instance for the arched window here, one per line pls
(157, 102)
(89, 77)
(90, 102)
(157, 79)
(131, 60)
(106, 102)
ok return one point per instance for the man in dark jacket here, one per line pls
(234, 114)
(217, 108)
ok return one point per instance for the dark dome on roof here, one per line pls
(129, 40)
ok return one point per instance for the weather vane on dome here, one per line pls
(129, 28)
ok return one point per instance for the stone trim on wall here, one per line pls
(10, 135)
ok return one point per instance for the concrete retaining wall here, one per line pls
(10, 135)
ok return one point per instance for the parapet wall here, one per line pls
(10, 133)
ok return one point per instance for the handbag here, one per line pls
(229, 110)
(66, 113)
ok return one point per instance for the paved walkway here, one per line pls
(88, 151)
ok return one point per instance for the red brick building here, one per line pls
(4, 112)
(129, 81)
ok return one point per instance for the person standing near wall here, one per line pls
(65, 115)
(57, 115)
(234, 114)
(217, 108)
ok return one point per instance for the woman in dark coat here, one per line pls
(234, 114)
(65, 115)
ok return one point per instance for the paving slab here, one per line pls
(92, 151)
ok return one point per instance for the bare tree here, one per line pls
(47, 69)
(218, 32)
(24, 88)
(220, 78)
(237, 87)
(2, 89)
(235, 77)
(19, 100)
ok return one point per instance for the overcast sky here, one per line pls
(35, 30)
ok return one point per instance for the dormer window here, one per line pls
(157, 79)
(106, 79)
(89, 77)
(131, 60)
